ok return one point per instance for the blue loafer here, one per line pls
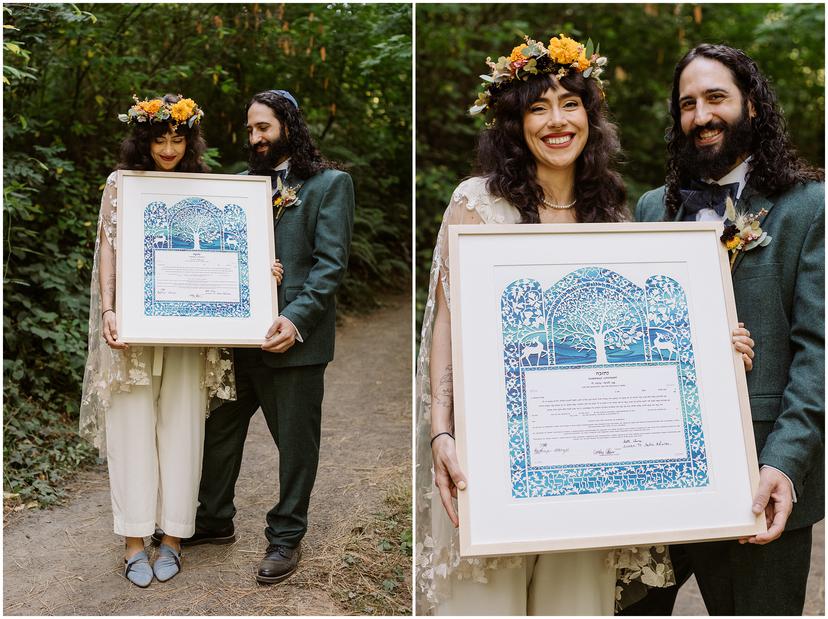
(168, 563)
(137, 569)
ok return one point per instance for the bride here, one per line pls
(547, 156)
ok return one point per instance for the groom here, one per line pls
(728, 138)
(313, 229)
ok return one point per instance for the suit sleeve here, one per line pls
(639, 207)
(332, 242)
(649, 207)
(798, 434)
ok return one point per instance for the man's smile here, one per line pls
(706, 137)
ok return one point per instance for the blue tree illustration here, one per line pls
(596, 318)
(197, 225)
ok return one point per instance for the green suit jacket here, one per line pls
(313, 240)
(780, 296)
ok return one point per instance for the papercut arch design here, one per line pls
(596, 317)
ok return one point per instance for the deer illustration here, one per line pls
(660, 344)
(232, 243)
(159, 241)
(535, 349)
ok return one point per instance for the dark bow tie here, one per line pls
(703, 195)
(273, 174)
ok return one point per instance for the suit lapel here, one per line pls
(751, 201)
(273, 197)
(680, 213)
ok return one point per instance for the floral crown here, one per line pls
(559, 58)
(158, 110)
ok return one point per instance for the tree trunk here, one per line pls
(196, 241)
(600, 349)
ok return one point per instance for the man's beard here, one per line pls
(715, 162)
(266, 161)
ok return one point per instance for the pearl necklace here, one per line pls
(559, 206)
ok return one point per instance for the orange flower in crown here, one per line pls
(151, 107)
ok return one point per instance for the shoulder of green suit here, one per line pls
(806, 199)
(650, 206)
(327, 177)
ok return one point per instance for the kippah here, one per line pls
(286, 95)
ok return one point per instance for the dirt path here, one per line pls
(66, 561)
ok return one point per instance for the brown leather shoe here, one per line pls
(278, 563)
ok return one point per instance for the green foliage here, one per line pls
(642, 41)
(70, 69)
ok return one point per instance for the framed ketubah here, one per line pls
(193, 259)
(598, 400)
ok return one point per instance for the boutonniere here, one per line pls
(285, 198)
(744, 233)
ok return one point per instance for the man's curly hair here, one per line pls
(775, 165)
(305, 158)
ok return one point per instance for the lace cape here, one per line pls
(111, 371)
(438, 548)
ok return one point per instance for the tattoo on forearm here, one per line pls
(444, 394)
(108, 296)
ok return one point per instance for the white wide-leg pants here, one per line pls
(566, 583)
(154, 445)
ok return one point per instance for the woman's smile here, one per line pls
(558, 140)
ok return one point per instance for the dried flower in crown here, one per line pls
(559, 58)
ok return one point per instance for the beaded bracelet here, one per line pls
(440, 434)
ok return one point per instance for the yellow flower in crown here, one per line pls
(564, 50)
(182, 110)
(151, 107)
(517, 54)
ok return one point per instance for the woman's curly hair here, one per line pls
(305, 158)
(505, 159)
(135, 149)
(775, 165)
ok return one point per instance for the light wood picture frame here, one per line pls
(598, 400)
(193, 259)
